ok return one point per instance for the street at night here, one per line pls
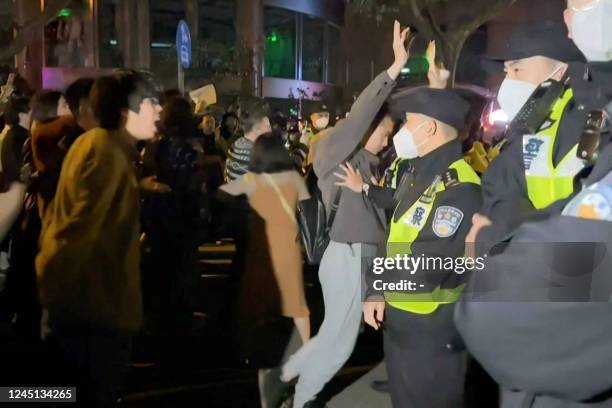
(306, 204)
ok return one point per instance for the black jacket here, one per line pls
(544, 347)
(504, 187)
(466, 198)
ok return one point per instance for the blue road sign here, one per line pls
(183, 44)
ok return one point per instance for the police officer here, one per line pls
(557, 354)
(435, 199)
(536, 168)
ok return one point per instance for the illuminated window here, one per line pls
(65, 36)
(280, 47)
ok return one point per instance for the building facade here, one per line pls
(294, 44)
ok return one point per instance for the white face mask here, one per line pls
(592, 31)
(321, 123)
(405, 147)
(513, 94)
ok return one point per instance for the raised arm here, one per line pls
(348, 133)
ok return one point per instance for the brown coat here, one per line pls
(88, 265)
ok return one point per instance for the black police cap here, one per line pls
(440, 104)
(548, 38)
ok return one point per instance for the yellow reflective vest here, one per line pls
(545, 182)
(406, 230)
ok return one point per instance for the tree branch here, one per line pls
(421, 22)
(25, 34)
(434, 24)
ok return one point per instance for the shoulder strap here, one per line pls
(334, 208)
(281, 197)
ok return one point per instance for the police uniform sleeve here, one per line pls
(504, 198)
(382, 197)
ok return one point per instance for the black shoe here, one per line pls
(270, 387)
(380, 385)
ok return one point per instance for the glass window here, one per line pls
(108, 23)
(217, 50)
(165, 16)
(313, 49)
(334, 63)
(65, 36)
(280, 33)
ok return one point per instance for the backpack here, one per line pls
(313, 222)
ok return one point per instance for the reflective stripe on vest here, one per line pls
(406, 230)
(546, 183)
(394, 170)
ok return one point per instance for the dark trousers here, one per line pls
(94, 361)
(424, 358)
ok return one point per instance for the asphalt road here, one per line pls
(203, 366)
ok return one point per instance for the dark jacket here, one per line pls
(547, 348)
(50, 143)
(357, 220)
(466, 198)
(88, 267)
(504, 185)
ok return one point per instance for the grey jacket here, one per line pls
(357, 220)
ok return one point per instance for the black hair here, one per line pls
(77, 92)
(108, 101)
(177, 118)
(252, 111)
(44, 106)
(138, 85)
(279, 121)
(169, 94)
(227, 131)
(383, 112)
(15, 106)
(269, 155)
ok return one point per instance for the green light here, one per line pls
(273, 37)
(65, 12)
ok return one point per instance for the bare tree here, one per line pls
(25, 34)
(450, 24)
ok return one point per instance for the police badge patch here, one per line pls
(446, 221)
(594, 203)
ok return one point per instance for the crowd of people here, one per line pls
(113, 177)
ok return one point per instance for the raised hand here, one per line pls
(437, 74)
(399, 50)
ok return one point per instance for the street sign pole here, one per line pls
(183, 53)
(181, 78)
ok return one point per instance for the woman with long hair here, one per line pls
(274, 187)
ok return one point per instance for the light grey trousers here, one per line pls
(320, 359)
